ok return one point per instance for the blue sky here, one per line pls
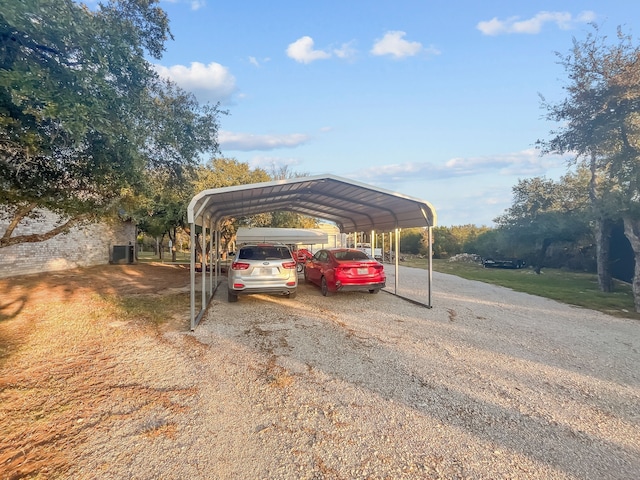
(437, 100)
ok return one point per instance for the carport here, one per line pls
(354, 207)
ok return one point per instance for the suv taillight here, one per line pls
(239, 266)
(288, 264)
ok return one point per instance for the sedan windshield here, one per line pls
(351, 255)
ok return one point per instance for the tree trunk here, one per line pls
(546, 243)
(602, 231)
(603, 254)
(173, 239)
(632, 232)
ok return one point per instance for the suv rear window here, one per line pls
(264, 253)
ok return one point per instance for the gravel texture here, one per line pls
(489, 383)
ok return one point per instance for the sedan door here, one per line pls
(314, 267)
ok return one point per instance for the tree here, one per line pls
(444, 243)
(162, 210)
(601, 127)
(450, 241)
(410, 240)
(227, 172)
(287, 219)
(545, 212)
(491, 243)
(83, 116)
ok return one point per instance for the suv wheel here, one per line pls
(231, 297)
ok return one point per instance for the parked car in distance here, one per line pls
(508, 263)
(344, 269)
(262, 268)
(302, 255)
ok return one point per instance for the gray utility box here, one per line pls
(122, 254)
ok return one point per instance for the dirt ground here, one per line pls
(55, 360)
(100, 378)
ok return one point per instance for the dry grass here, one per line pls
(60, 341)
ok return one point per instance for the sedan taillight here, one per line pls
(239, 266)
(289, 265)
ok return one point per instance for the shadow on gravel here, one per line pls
(490, 394)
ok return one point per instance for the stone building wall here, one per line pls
(82, 246)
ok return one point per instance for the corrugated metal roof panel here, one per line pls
(353, 206)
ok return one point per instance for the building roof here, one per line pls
(353, 206)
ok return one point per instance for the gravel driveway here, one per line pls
(489, 383)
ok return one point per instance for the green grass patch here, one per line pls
(148, 257)
(573, 288)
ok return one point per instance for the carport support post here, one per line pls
(217, 259)
(430, 240)
(212, 260)
(192, 255)
(397, 255)
(373, 244)
(203, 243)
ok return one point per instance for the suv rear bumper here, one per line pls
(267, 290)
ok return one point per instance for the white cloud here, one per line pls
(533, 25)
(346, 51)
(464, 205)
(302, 51)
(195, 4)
(524, 163)
(258, 63)
(395, 45)
(248, 141)
(464, 190)
(211, 82)
(527, 162)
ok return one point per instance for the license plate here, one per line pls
(363, 271)
(264, 271)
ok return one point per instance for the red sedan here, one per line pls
(344, 269)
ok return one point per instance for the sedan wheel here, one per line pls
(323, 287)
(375, 290)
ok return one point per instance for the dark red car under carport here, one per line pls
(344, 269)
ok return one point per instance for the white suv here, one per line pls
(262, 268)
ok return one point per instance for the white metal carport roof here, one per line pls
(353, 206)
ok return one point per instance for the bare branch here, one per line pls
(20, 214)
(41, 237)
